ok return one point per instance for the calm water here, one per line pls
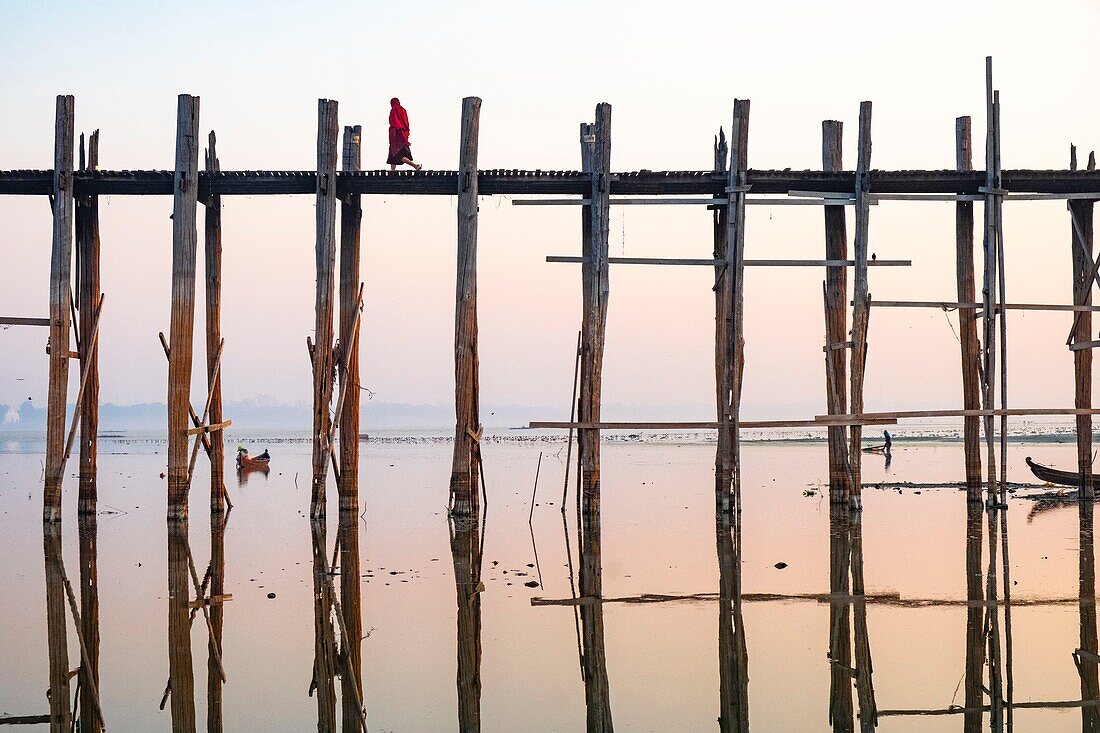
(698, 628)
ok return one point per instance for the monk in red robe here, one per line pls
(399, 137)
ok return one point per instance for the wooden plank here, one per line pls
(17, 321)
(596, 159)
(60, 306)
(464, 460)
(1081, 262)
(718, 262)
(956, 305)
(323, 362)
(351, 218)
(836, 318)
(918, 414)
(210, 428)
(184, 251)
(707, 424)
(968, 328)
(861, 296)
(212, 254)
(731, 287)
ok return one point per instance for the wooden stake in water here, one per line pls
(87, 277)
(351, 217)
(1081, 235)
(212, 251)
(968, 327)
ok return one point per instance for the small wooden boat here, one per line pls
(1054, 476)
(246, 462)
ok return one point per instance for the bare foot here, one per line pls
(417, 166)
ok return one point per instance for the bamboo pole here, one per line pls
(596, 160)
(212, 249)
(184, 246)
(323, 362)
(1081, 213)
(861, 297)
(181, 673)
(1002, 323)
(60, 306)
(87, 261)
(968, 328)
(721, 215)
(836, 316)
(467, 448)
(989, 281)
(731, 288)
(351, 216)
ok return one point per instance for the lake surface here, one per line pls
(662, 618)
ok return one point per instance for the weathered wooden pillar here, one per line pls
(212, 249)
(181, 673)
(56, 627)
(968, 317)
(184, 251)
(836, 317)
(596, 288)
(90, 719)
(465, 463)
(87, 297)
(60, 294)
(989, 282)
(466, 556)
(721, 317)
(1081, 245)
(323, 362)
(861, 297)
(732, 288)
(351, 215)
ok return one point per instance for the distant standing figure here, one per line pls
(399, 137)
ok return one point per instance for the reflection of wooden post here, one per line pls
(323, 364)
(733, 655)
(184, 247)
(89, 619)
(466, 554)
(467, 448)
(597, 693)
(87, 264)
(213, 254)
(1081, 245)
(865, 688)
(60, 267)
(596, 158)
(840, 634)
(1090, 679)
(836, 316)
(180, 671)
(968, 318)
(217, 618)
(731, 286)
(351, 591)
(861, 297)
(324, 640)
(351, 214)
(975, 617)
(56, 625)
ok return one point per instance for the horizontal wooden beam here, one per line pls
(716, 263)
(915, 414)
(703, 425)
(16, 321)
(559, 183)
(209, 428)
(1082, 345)
(951, 305)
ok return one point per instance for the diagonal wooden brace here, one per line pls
(85, 372)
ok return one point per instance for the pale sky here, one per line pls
(671, 72)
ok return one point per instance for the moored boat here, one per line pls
(1054, 476)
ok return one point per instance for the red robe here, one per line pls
(399, 133)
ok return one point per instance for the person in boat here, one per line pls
(243, 457)
(400, 152)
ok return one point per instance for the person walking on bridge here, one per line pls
(399, 137)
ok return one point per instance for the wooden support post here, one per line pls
(184, 250)
(1081, 252)
(596, 160)
(861, 297)
(60, 306)
(87, 295)
(351, 215)
(836, 316)
(721, 319)
(968, 326)
(731, 287)
(212, 249)
(467, 448)
(323, 362)
(989, 283)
